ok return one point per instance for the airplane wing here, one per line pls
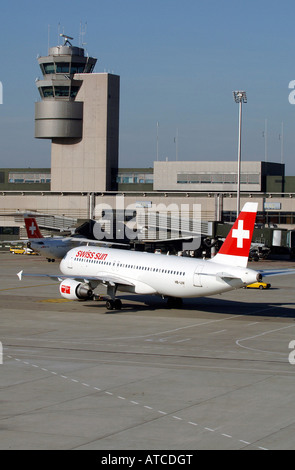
(227, 277)
(73, 240)
(163, 240)
(15, 242)
(100, 278)
(90, 241)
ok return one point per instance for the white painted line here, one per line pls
(136, 403)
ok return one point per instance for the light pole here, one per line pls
(239, 97)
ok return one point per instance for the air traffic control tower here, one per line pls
(79, 112)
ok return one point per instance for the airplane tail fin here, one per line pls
(33, 230)
(236, 247)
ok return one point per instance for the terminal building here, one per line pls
(78, 111)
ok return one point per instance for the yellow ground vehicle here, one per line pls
(17, 250)
(20, 250)
(259, 285)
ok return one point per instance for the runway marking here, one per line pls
(216, 332)
(27, 287)
(238, 342)
(147, 407)
(174, 330)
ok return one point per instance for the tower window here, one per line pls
(74, 91)
(62, 91)
(77, 68)
(62, 67)
(47, 91)
(49, 68)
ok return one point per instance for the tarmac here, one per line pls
(218, 373)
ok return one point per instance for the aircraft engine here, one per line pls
(73, 290)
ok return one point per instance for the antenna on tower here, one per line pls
(83, 29)
(48, 36)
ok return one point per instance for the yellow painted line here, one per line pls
(56, 301)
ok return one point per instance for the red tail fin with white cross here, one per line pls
(33, 230)
(236, 247)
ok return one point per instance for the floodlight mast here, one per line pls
(239, 97)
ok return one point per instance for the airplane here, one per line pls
(56, 247)
(84, 268)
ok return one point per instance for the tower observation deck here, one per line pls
(58, 115)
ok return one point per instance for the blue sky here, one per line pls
(179, 62)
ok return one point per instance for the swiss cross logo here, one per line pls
(240, 234)
(32, 228)
(238, 242)
(65, 289)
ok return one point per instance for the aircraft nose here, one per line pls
(61, 264)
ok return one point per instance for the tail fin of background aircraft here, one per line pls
(236, 247)
(33, 230)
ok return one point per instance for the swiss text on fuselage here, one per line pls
(91, 255)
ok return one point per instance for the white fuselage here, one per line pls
(51, 247)
(149, 273)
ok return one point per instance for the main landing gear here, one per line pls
(113, 303)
